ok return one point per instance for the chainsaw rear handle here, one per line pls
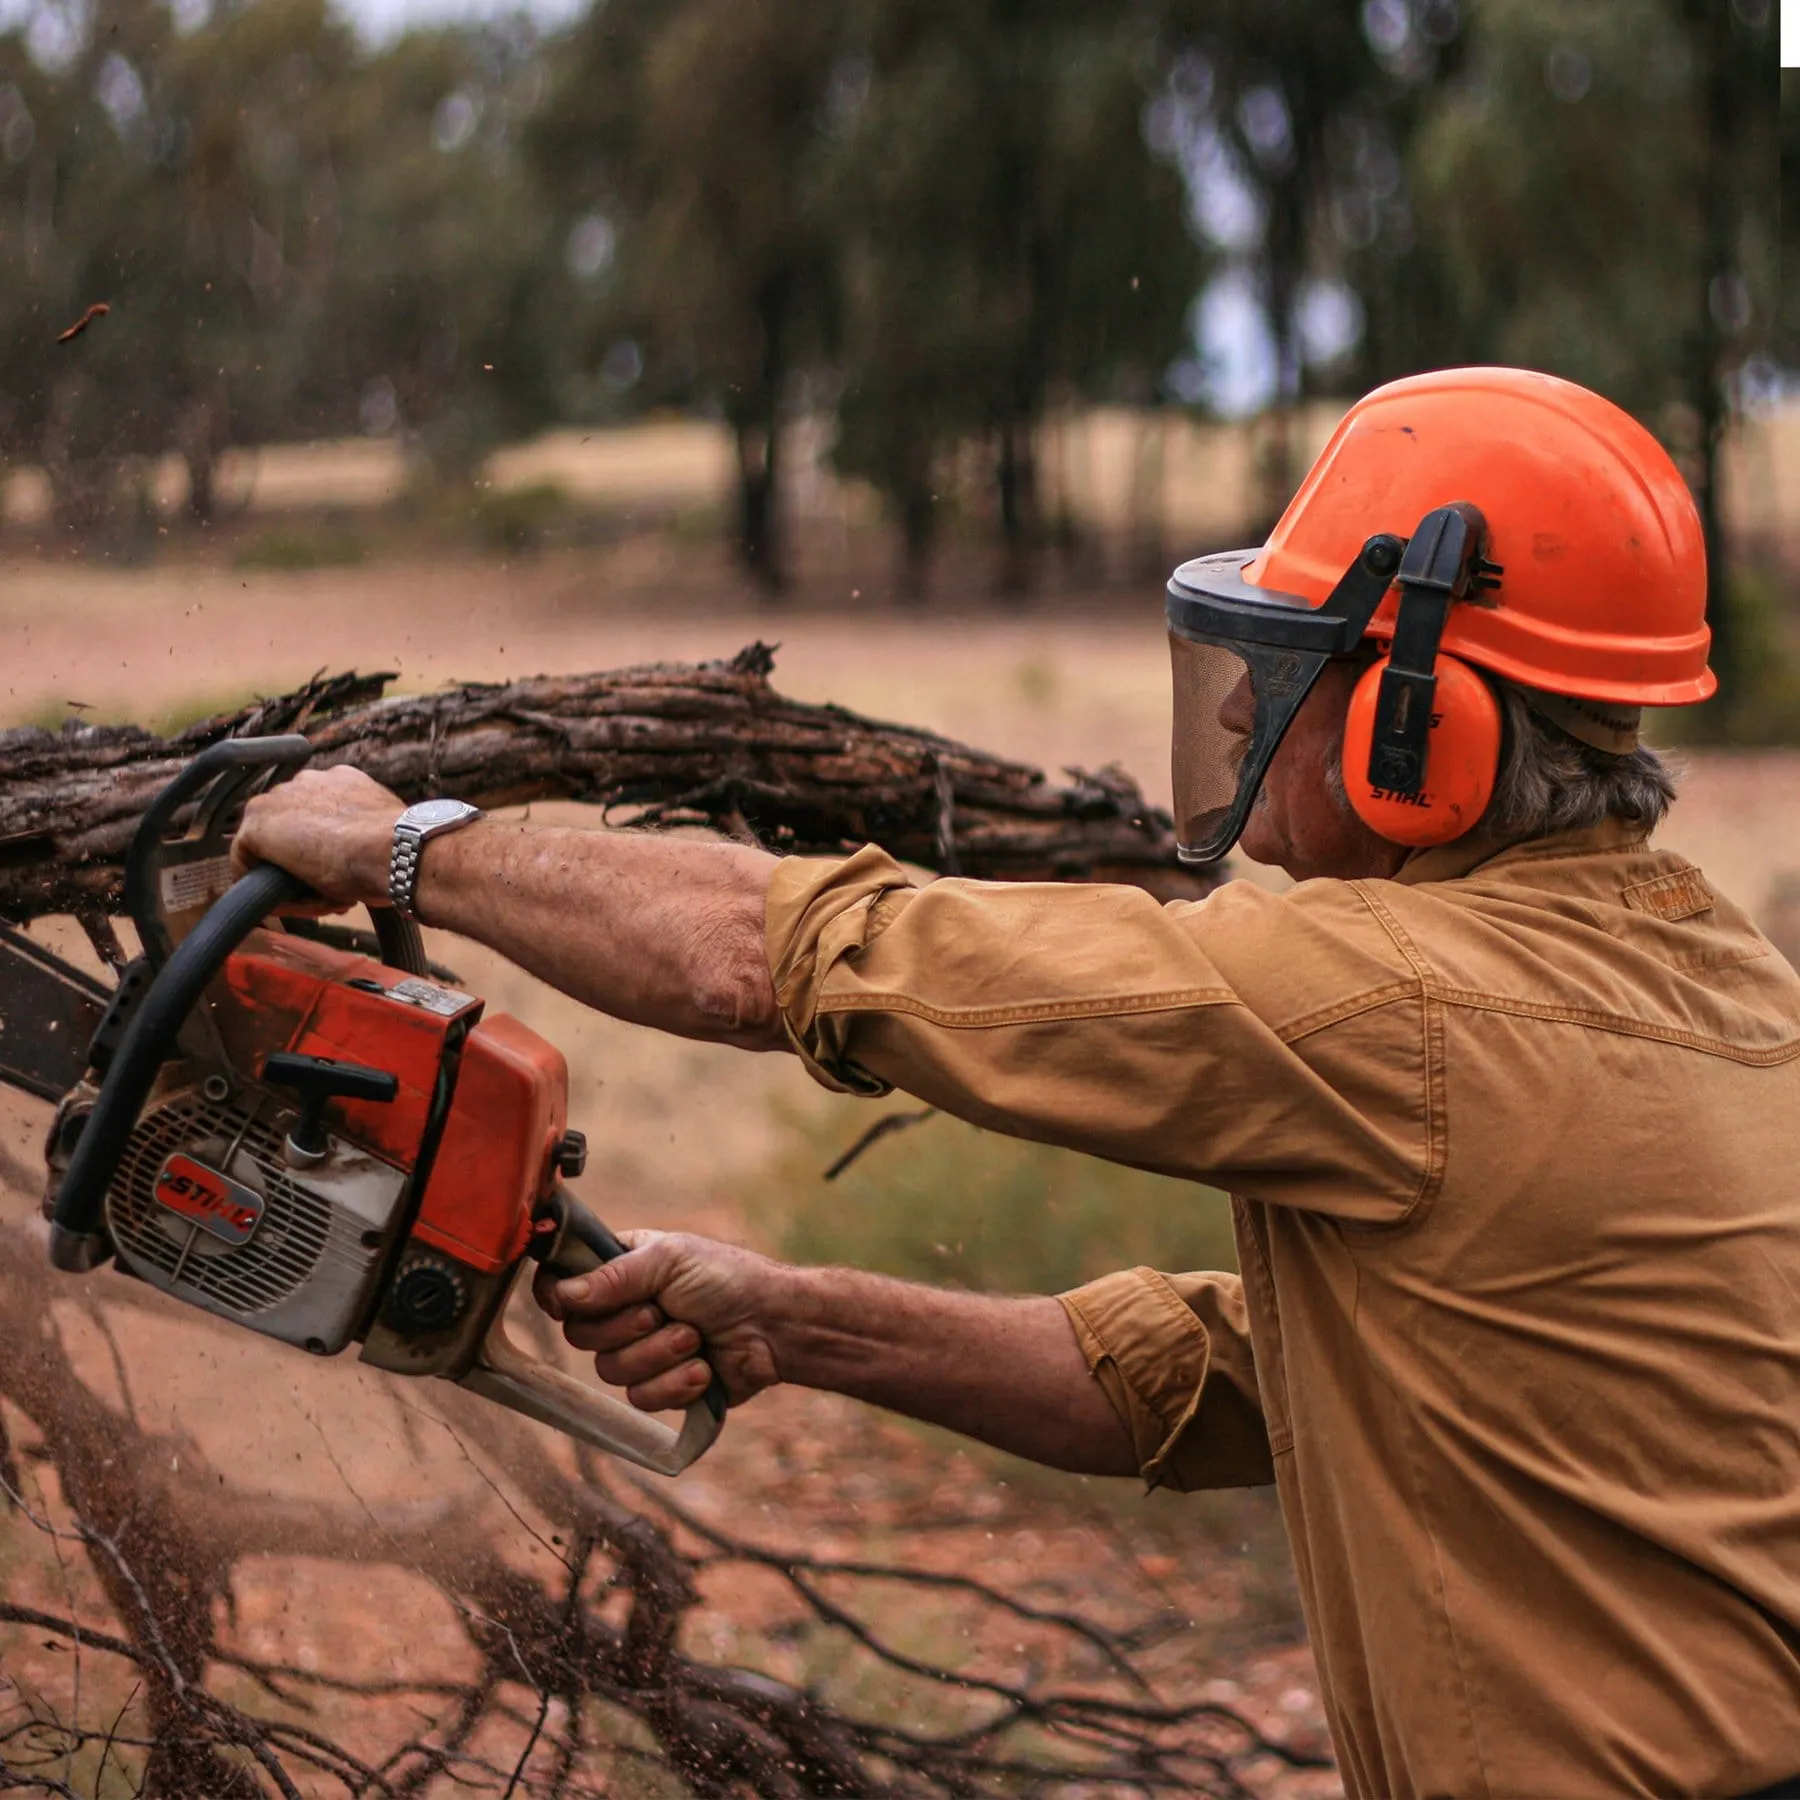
(571, 1241)
(579, 1244)
(77, 1238)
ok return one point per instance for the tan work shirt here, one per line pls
(1516, 1150)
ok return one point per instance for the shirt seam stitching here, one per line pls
(1572, 855)
(1698, 959)
(1265, 1278)
(969, 1018)
(1354, 1007)
(1430, 1049)
(1623, 1026)
(1427, 1515)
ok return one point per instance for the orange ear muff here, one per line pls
(1461, 761)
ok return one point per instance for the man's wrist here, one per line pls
(372, 860)
(806, 1325)
(440, 864)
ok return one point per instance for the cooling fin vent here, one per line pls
(245, 1279)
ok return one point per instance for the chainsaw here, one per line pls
(303, 1130)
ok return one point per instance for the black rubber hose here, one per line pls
(401, 945)
(148, 1043)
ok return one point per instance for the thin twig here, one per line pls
(885, 1126)
(782, 1562)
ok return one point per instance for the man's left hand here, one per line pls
(334, 828)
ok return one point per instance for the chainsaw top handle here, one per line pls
(219, 780)
(77, 1240)
(221, 776)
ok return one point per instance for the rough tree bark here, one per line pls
(709, 743)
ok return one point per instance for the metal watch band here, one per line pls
(413, 830)
(403, 867)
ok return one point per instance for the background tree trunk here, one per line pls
(1710, 35)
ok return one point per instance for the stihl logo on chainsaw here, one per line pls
(214, 1202)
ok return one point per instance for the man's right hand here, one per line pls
(647, 1315)
(1005, 1369)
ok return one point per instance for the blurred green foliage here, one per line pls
(294, 239)
(518, 521)
(946, 1202)
(931, 224)
(294, 548)
(979, 146)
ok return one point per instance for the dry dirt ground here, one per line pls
(676, 1128)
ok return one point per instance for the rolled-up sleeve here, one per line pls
(1173, 1355)
(1273, 1045)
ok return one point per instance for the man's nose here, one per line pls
(1237, 711)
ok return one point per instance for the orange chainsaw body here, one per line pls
(494, 1161)
(321, 1146)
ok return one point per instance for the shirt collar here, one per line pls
(1451, 862)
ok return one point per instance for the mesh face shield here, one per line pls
(1244, 659)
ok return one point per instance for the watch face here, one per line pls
(428, 815)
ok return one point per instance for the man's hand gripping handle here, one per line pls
(568, 1240)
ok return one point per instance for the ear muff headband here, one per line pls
(1422, 739)
(1462, 759)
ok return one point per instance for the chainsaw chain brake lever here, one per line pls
(218, 779)
(568, 1240)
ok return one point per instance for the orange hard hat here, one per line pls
(1474, 519)
(1605, 588)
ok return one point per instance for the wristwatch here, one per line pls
(428, 819)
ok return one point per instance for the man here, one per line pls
(1510, 1102)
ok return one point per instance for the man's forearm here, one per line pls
(659, 931)
(1007, 1371)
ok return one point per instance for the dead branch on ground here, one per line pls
(564, 1679)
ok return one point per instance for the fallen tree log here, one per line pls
(709, 743)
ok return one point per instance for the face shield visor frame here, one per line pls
(1243, 659)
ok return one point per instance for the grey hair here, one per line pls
(1550, 782)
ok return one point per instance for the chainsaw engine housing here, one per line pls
(317, 1145)
(403, 1225)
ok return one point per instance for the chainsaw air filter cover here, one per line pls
(205, 1207)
